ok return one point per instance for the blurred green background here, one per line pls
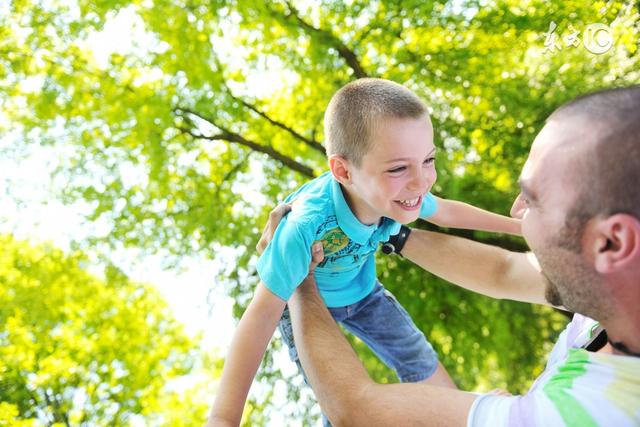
(177, 125)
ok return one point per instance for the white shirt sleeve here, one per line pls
(489, 410)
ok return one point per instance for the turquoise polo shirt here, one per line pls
(348, 272)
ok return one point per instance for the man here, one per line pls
(580, 210)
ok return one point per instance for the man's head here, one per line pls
(580, 202)
(380, 144)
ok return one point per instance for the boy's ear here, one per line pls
(340, 168)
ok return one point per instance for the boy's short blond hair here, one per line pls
(356, 108)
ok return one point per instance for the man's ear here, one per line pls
(617, 243)
(340, 168)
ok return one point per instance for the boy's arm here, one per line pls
(454, 214)
(481, 268)
(245, 353)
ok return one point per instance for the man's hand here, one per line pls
(308, 289)
(317, 255)
(275, 216)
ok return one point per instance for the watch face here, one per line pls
(387, 248)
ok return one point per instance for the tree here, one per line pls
(78, 350)
(183, 142)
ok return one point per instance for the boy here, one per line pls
(379, 141)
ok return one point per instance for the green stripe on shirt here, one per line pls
(571, 411)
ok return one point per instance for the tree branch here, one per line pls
(227, 135)
(55, 406)
(63, 414)
(310, 142)
(30, 393)
(347, 54)
(231, 172)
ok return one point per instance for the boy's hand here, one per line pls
(275, 216)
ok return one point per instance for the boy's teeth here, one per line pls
(411, 202)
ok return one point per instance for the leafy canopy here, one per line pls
(185, 136)
(79, 350)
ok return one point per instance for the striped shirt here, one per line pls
(577, 388)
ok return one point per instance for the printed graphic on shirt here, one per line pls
(333, 240)
(340, 253)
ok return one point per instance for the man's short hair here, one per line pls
(608, 176)
(355, 109)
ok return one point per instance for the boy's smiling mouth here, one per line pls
(410, 204)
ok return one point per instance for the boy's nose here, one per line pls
(421, 180)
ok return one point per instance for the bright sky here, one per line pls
(30, 211)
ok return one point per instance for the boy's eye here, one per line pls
(429, 160)
(398, 169)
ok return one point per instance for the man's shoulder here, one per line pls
(569, 393)
(587, 372)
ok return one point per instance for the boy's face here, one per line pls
(396, 173)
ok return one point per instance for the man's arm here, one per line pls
(247, 349)
(345, 391)
(454, 214)
(481, 268)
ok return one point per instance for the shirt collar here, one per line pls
(353, 228)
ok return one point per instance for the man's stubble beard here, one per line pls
(571, 282)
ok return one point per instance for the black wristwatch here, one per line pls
(397, 241)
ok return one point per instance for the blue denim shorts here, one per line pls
(385, 326)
